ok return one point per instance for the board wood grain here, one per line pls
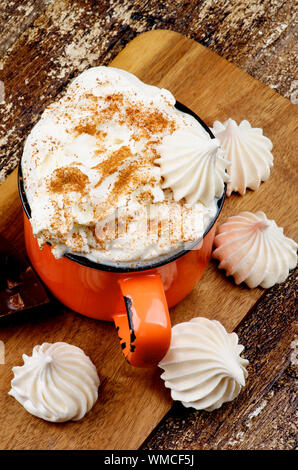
(132, 401)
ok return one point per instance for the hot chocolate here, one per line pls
(114, 172)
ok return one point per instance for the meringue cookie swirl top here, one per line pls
(248, 151)
(94, 152)
(57, 383)
(254, 250)
(192, 166)
(203, 367)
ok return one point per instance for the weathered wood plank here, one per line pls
(263, 416)
(15, 17)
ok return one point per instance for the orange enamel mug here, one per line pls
(137, 300)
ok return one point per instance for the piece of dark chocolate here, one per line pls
(20, 288)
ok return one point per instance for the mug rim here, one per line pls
(138, 267)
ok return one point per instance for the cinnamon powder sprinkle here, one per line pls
(115, 160)
(67, 179)
(151, 121)
(86, 129)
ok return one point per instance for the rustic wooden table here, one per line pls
(49, 42)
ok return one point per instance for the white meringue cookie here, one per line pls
(57, 383)
(192, 165)
(203, 367)
(249, 152)
(254, 250)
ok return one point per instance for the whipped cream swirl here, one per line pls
(203, 366)
(254, 250)
(57, 383)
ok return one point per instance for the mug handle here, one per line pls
(145, 329)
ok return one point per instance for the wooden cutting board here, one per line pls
(132, 401)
